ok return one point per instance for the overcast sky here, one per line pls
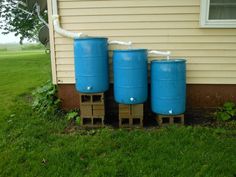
(9, 38)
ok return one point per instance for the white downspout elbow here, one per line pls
(74, 35)
(57, 26)
(63, 32)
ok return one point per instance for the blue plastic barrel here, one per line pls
(130, 76)
(91, 64)
(168, 86)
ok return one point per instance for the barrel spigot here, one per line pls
(132, 99)
(89, 88)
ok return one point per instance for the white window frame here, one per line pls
(206, 23)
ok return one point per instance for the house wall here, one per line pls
(202, 99)
(162, 25)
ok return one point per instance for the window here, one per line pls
(218, 14)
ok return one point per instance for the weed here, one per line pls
(73, 116)
(226, 112)
(45, 99)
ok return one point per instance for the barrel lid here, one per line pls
(91, 38)
(130, 50)
(168, 61)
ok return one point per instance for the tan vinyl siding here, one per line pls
(161, 25)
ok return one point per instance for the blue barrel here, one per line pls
(168, 86)
(91, 64)
(130, 76)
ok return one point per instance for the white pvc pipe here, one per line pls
(39, 16)
(54, 7)
(63, 32)
(57, 26)
(129, 43)
(163, 53)
(25, 11)
(21, 3)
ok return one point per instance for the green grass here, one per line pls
(17, 47)
(32, 145)
(20, 72)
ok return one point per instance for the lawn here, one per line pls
(20, 72)
(33, 145)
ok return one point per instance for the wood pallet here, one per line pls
(92, 110)
(130, 116)
(164, 120)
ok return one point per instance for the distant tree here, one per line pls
(16, 17)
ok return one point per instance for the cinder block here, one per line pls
(130, 122)
(98, 98)
(87, 99)
(137, 110)
(134, 110)
(124, 109)
(164, 120)
(86, 110)
(92, 122)
(98, 110)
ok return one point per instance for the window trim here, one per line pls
(206, 23)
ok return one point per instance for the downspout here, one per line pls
(57, 26)
(74, 35)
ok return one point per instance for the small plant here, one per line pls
(73, 116)
(45, 99)
(226, 112)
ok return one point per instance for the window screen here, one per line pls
(222, 10)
